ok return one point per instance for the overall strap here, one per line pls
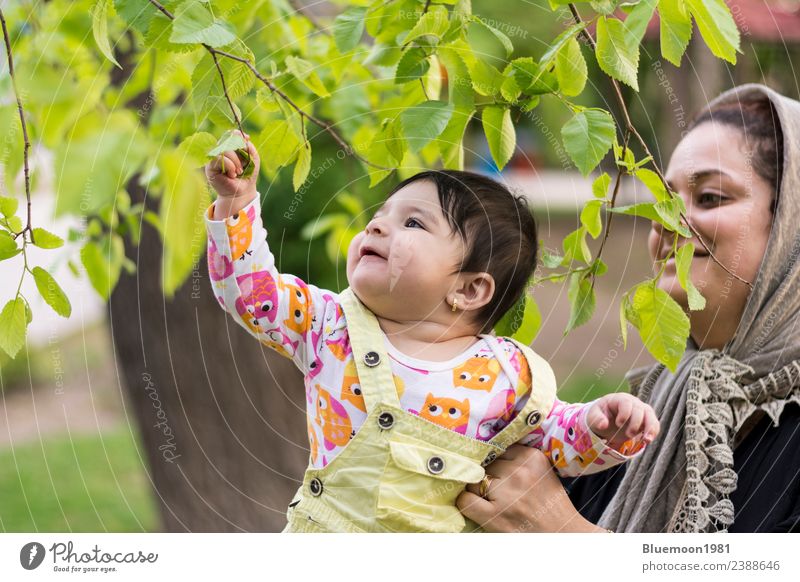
(539, 404)
(369, 353)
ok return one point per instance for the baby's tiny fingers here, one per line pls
(623, 412)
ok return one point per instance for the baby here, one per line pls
(408, 394)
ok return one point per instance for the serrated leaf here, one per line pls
(617, 54)
(137, 13)
(717, 27)
(100, 29)
(279, 141)
(601, 185)
(571, 70)
(587, 138)
(196, 147)
(8, 206)
(590, 217)
(348, 28)
(683, 263)
(581, 299)
(675, 29)
(500, 134)
(13, 326)
(662, 324)
(488, 43)
(51, 292)
(103, 263)
(412, 65)
(576, 248)
(304, 71)
(433, 23)
(228, 141)
(302, 167)
(424, 122)
(8, 246)
(650, 179)
(46, 240)
(195, 24)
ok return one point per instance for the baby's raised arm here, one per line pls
(280, 310)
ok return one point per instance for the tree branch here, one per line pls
(632, 129)
(27, 142)
(272, 87)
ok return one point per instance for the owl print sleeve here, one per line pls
(573, 449)
(280, 310)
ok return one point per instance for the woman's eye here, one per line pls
(413, 223)
(710, 199)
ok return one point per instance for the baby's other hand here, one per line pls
(620, 417)
(224, 172)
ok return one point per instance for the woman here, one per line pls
(728, 457)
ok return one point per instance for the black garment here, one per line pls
(767, 498)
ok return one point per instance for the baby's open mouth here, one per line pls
(370, 252)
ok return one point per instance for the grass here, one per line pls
(89, 483)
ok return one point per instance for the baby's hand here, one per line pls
(620, 417)
(225, 173)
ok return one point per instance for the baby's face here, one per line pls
(405, 262)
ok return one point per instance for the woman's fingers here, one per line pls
(473, 506)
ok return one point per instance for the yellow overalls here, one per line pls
(401, 472)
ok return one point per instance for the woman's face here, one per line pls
(728, 204)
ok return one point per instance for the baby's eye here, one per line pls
(413, 223)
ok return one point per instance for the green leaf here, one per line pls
(279, 141)
(8, 206)
(587, 138)
(8, 246)
(676, 29)
(650, 179)
(412, 65)
(717, 27)
(422, 123)
(581, 299)
(638, 19)
(500, 134)
(486, 79)
(46, 240)
(601, 185)
(561, 42)
(616, 52)
(304, 72)
(100, 29)
(348, 28)
(571, 70)
(51, 292)
(302, 167)
(683, 263)
(230, 140)
(137, 13)
(623, 321)
(13, 326)
(576, 248)
(522, 321)
(433, 23)
(194, 24)
(103, 263)
(488, 43)
(662, 324)
(207, 95)
(196, 147)
(184, 201)
(590, 217)
(600, 6)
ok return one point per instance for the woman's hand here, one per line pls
(225, 174)
(524, 495)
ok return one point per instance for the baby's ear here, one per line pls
(475, 291)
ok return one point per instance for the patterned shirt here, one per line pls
(471, 394)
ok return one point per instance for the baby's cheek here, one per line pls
(400, 256)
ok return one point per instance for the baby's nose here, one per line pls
(376, 226)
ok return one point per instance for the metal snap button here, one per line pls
(489, 458)
(386, 420)
(372, 359)
(316, 487)
(435, 465)
(534, 418)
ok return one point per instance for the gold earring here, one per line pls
(455, 304)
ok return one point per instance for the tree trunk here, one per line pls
(221, 417)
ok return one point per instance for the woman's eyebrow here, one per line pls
(695, 177)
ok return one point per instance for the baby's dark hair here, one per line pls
(497, 228)
(758, 121)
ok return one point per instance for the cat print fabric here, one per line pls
(471, 394)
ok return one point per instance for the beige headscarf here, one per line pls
(684, 480)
